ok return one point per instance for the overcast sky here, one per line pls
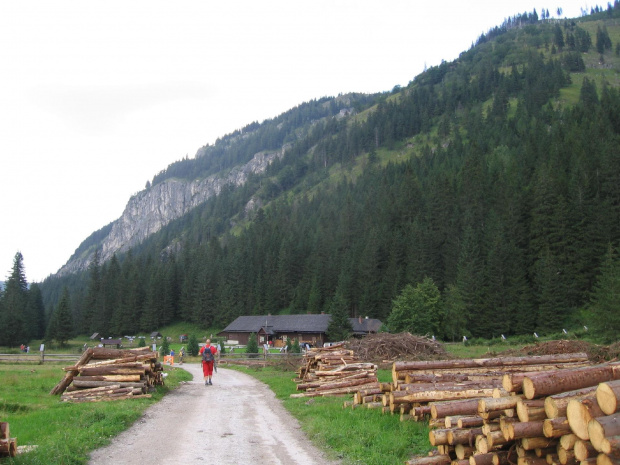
(97, 97)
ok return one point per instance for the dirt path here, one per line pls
(237, 420)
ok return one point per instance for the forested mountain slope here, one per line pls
(489, 188)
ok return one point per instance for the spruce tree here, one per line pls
(252, 347)
(63, 321)
(339, 327)
(15, 302)
(192, 345)
(605, 302)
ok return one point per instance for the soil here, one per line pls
(236, 420)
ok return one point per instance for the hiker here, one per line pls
(181, 355)
(208, 360)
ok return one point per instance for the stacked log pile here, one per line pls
(111, 374)
(562, 416)
(334, 371)
(8, 445)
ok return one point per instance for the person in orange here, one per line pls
(207, 352)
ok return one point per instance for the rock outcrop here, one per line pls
(151, 209)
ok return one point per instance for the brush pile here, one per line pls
(111, 374)
(401, 346)
(333, 371)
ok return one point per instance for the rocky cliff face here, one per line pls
(152, 209)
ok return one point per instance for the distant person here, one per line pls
(208, 361)
(181, 355)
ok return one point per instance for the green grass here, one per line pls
(65, 433)
(359, 436)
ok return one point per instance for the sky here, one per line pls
(98, 97)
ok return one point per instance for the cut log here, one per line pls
(579, 413)
(463, 451)
(599, 429)
(481, 459)
(520, 430)
(611, 446)
(435, 395)
(502, 403)
(438, 436)
(604, 459)
(531, 460)
(540, 442)
(459, 407)
(463, 436)
(566, 457)
(62, 385)
(432, 460)
(469, 421)
(531, 410)
(4, 430)
(584, 449)
(565, 380)
(491, 362)
(556, 427)
(513, 382)
(608, 396)
(568, 441)
(555, 406)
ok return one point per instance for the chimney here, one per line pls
(360, 319)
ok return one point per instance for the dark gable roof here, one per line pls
(295, 323)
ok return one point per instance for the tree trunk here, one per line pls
(490, 362)
(584, 449)
(555, 406)
(459, 407)
(432, 460)
(520, 430)
(531, 410)
(556, 427)
(599, 429)
(435, 395)
(62, 385)
(608, 395)
(501, 403)
(547, 384)
(579, 413)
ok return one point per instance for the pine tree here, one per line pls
(192, 345)
(14, 304)
(61, 323)
(605, 302)
(339, 327)
(252, 347)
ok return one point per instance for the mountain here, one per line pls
(489, 182)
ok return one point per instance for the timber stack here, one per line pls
(334, 371)
(566, 415)
(8, 445)
(111, 374)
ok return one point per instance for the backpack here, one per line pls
(207, 355)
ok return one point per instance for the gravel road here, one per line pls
(238, 420)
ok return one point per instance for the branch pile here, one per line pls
(8, 445)
(332, 371)
(111, 374)
(547, 410)
(386, 346)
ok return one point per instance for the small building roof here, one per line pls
(308, 323)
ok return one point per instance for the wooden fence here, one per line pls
(40, 357)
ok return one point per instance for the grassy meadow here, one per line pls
(64, 433)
